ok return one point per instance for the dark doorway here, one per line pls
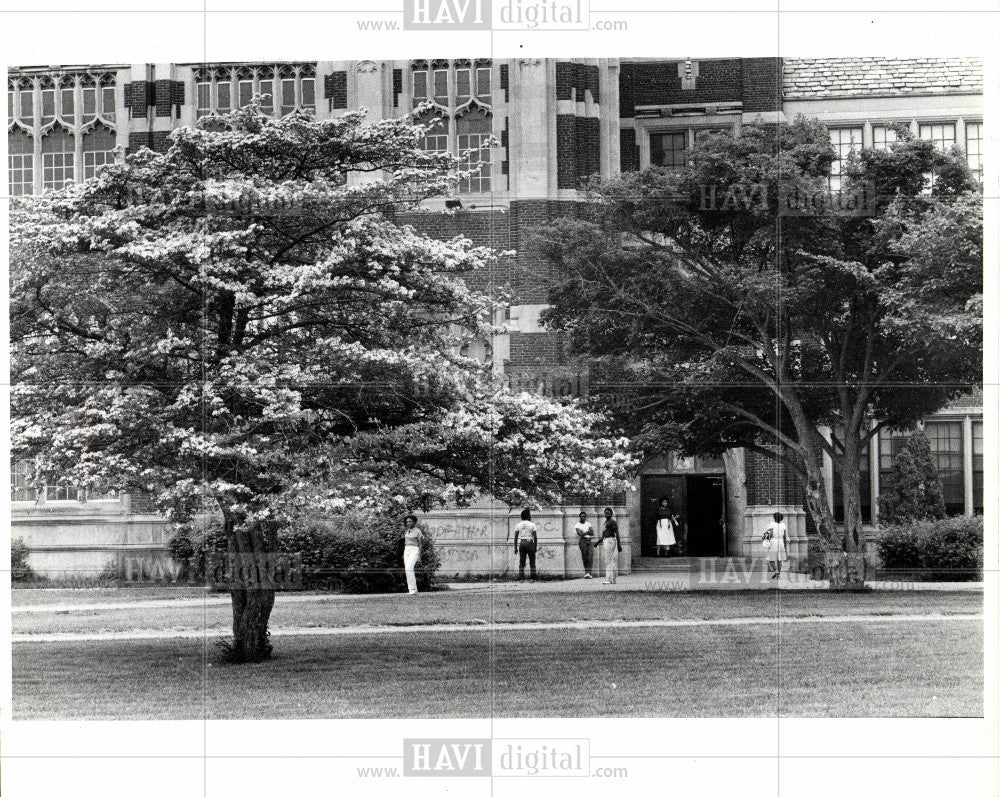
(706, 531)
(652, 489)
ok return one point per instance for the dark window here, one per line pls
(667, 149)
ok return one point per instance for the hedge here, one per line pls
(935, 550)
(350, 554)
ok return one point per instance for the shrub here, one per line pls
(354, 553)
(20, 570)
(912, 491)
(938, 550)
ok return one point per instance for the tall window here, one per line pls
(845, 140)
(941, 134)
(474, 129)
(460, 92)
(974, 147)
(57, 159)
(668, 149)
(977, 466)
(946, 444)
(98, 151)
(20, 163)
(883, 136)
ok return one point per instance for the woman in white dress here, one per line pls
(776, 544)
(665, 528)
(412, 536)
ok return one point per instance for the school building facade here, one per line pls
(554, 122)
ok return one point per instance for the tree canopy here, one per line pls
(738, 301)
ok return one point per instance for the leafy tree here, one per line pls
(238, 323)
(738, 302)
(912, 490)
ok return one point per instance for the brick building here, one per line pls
(554, 123)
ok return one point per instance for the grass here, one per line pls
(932, 668)
(501, 607)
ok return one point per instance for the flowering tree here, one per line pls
(239, 322)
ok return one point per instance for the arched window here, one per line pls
(283, 88)
(460, 93)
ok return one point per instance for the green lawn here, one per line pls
(932, 668)
(501, 607)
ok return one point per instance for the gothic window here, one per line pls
(459, 92)
(58, 154)
(20, 163)
(98, 151)
(284, 89)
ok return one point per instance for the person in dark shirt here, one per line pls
(612, 545)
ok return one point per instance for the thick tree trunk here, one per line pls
(850, 574)
(252, 590)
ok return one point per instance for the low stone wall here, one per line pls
(74, 539)
(758, 518)
(479, 541)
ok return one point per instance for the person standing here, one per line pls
(776, 544)
(612, 546)
(526, 544)
(413, 535)
(666, 527)
(585, 533)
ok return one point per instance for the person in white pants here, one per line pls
(412, 536)
(612, 545)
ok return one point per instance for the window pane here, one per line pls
(667, 149)
(883, 136)
(287, 96)
(943, 135)
(974, 147)
(441, 86)
(419, 86)
(483, 83)
(246, 92)
(845, 140)
(463, 85)
(89, 102)
(267, 96)
(308, 94)
(21, 174)
(204, 99)
(10, 105)
(223, 97)
(27, 110)
(66, 98)
(94, 162)
(108, 103)
(48, 105)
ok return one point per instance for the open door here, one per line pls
(653, 488)
(705, 516)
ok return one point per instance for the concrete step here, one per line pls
(685, 564)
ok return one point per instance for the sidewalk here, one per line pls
(696, 582)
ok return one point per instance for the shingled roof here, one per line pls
(807, 78)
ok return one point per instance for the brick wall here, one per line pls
(658, 83)
(629, 150)
(335, 89)
(761, 84)
(581, 77)
(578, 149)
(768, 483)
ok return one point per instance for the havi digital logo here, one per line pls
(447, 757)
(447, 14)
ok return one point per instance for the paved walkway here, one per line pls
(654, 581)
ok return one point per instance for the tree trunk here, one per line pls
(850, 572)
(252, 589)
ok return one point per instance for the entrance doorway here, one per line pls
(698, 499)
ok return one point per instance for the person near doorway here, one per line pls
(585, 534)
(412, 537)
(526, 544)
(776, 544)
(666, 526)
(612, 545)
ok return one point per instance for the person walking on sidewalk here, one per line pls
(585, 533)
(412, 537)
(612, 546)
(526, 544)
(776, 544)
